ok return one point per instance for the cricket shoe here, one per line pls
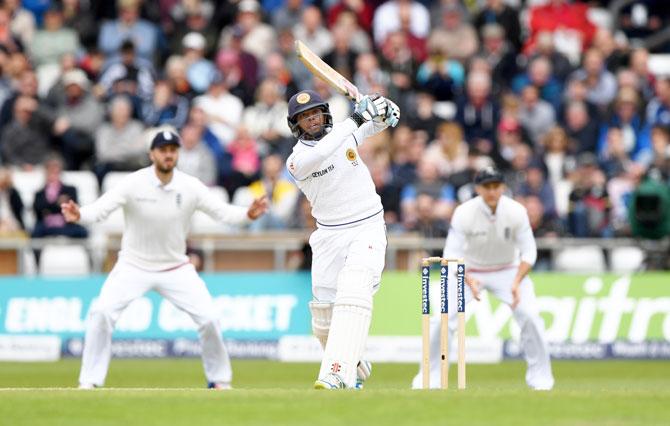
(86, 386)
(219, 386)
(363, 372)
(330, 381)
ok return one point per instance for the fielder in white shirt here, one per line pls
(157, 202)
(349, 244)
(493, 234)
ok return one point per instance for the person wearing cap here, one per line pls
(349, 244)
(54, 40)
(80, 115)
(492, 233)
(199, 69)
(158, 202)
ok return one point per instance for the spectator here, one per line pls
(509, 135)
(363, 10)
(658, 110)
(240, 68)
(620, 188)
(537, 185)
(119, 145)
(245, 161)
(78, 17)
(440, 74)
(449, 152)
(427, 224)
(568, 22)
(129, 26)
(536, 115)
(427, 182)
(405, 154)
(5, 83)
(49, 220)
(456, 36)
(55, 95)
(387, 19)
(79, 117)
(660, 140)
(639, 64)
(8, 39)
(54, 40)
(359, 39)
(543, 226)
(22, 22)
(195, 18)
(24, 142)
(560, 65)
(199, 70)
(223, 109)
(369, 77)
(635, 134)
(276, 69)
(288, 15)
(301, 75)
(600, 84)
(421, 114)
(478, 113)
(166, 108)
(589, 205)
(401, 62)
(497, 12)
(11, 206)
(389, 193)
(498, 53)
(25, 86)
(556, 155)
(613, 53)
(642, 18)
(266, 120)
(256, 37)
(281, 192)
(127, 75)
(540, 75)
(312, 32)
(198, 118)
(581, 129)
(175, 74)
(195, 158)
(341, 56)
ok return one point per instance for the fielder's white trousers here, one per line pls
(182, 286)
(526, 314)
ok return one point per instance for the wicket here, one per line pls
(444, 319)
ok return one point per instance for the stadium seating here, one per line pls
(64, 260)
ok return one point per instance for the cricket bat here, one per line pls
(326, 72)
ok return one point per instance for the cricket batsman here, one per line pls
(493, 234)
(349, 244)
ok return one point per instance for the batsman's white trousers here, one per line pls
(526, 314)
(332, 249)
(182, 286)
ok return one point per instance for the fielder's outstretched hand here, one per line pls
(473, 283)
(258, 207)
(70, 211)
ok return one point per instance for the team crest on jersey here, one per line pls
(351, 156)
(303, 98)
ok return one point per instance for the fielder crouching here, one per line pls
(349, 244)
(493, 234)
(158, 202)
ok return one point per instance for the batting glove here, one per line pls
(392, 113)
(370, 108)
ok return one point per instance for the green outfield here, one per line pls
(170, 392)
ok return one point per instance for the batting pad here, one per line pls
(350, 324)
(321, 315)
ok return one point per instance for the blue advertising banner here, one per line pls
(259, 306)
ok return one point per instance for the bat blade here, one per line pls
(325, 72)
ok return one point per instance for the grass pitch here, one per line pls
(171, 392)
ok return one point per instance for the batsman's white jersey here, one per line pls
(349, 244)
(153, 257)
(492, 246)
(333, 177)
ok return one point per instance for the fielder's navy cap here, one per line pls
(488, 175)
(165, 137)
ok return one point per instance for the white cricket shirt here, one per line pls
(333, 177)
(158, 217)
(490, 241)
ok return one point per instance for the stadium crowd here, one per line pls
(557, 93)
